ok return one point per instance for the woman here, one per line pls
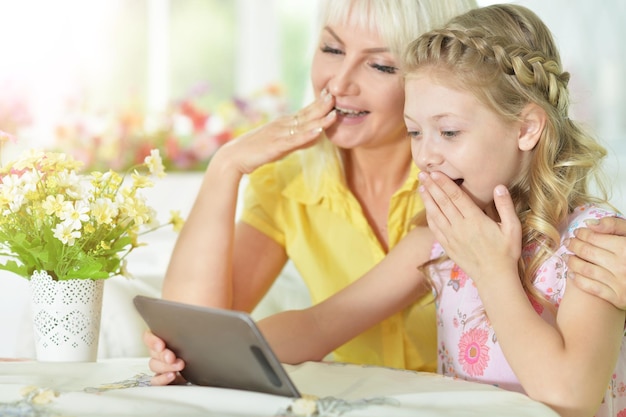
(335, 208)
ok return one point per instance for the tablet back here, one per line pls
(221, 348)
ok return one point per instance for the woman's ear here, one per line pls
(532, 125)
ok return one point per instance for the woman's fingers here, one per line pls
(310, 121)
(609, 225)
(163, 379)
(279, 137)
(598, 262)
(163, 362)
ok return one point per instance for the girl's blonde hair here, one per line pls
(506, 56)
(398, 22)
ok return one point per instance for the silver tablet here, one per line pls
(221, 348)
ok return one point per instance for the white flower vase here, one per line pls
(66, 318)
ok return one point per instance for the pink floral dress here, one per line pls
(467, 344)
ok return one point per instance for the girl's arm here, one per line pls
(393, 284)
(566, 364)
(599, 264)
(214, 263)
(310, 334)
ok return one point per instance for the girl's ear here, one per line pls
(533, 122)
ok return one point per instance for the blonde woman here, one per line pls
(336, 208)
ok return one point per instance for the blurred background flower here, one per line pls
(187, 133)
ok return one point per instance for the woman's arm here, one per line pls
(599, 264)
(566, 364)
(212, 263)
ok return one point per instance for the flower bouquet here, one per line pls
(69, 224)
(67, 232)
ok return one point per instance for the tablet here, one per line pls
(221, 348)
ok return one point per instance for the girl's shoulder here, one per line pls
(590, 211)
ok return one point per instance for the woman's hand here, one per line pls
(280, 137)
(163, 362)
(598, 265)
(480, 246)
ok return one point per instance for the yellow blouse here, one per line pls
(331, 244)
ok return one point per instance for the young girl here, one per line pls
(487, 104)
(504, 180)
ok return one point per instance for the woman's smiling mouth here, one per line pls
(350, 113)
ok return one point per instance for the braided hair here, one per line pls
(506, 56)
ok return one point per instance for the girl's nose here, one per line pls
(427, 155)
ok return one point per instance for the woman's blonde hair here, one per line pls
(398, 22)
(506, 56)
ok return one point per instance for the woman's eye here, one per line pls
(329, 50)
(388, 69)
(414, 134)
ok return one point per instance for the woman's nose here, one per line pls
(344, 81)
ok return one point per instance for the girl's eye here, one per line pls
(414, 134)
(449, 133)
(329, 50)
(388, 69)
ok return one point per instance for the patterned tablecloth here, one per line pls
(121, 387)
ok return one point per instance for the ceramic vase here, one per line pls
(66, 318)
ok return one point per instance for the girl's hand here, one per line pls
(163, 362)
(598, 265)
(480, 246)
(280, 137)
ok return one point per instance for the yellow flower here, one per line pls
(66, 233)
(176, 220)
(304, 407)
(155, 164)
(44, 396)
(53, 204)
(139, 181)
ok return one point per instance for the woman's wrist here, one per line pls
(224, 166)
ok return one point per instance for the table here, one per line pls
(120, 387)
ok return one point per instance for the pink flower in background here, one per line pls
(187, 134)
(474, 352)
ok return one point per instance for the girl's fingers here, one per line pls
(509, 221)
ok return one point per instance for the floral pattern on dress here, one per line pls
(458, 278)
(473, 351)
